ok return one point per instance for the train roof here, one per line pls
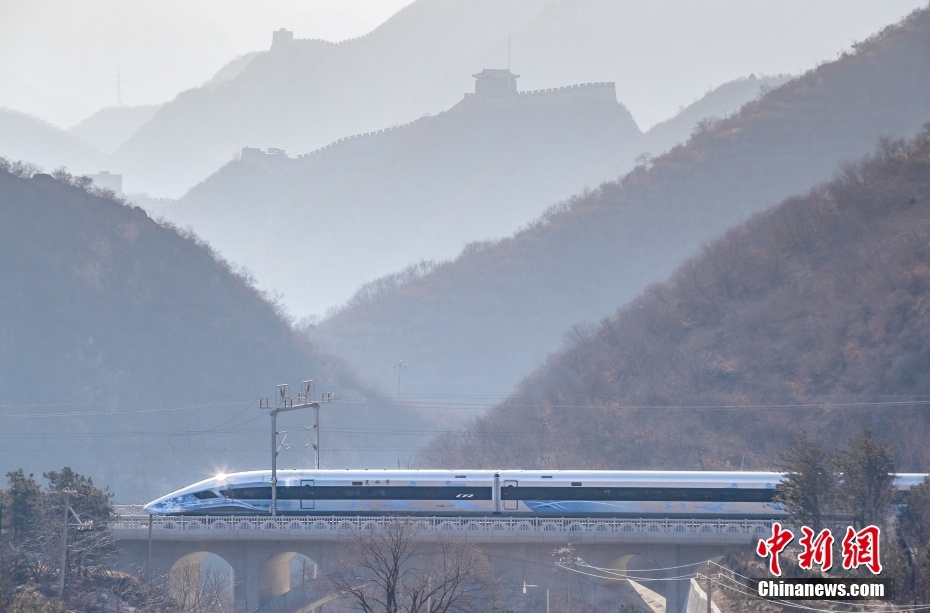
(650, 476)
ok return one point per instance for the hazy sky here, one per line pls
(59, 58)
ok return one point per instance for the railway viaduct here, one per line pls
(260, 550)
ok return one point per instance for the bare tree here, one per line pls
(390, 570)
(194, 589)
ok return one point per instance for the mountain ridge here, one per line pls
(109, 127)
(598, 250)
(811, 316)
(29, 138)
(412, 192)
(133, 344)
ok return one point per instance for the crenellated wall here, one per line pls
(352, 137)
(283, 38)
(603, 91)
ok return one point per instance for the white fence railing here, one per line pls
(480, 528)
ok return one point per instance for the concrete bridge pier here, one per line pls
(263, 573)
(247, 582)
(676, 590)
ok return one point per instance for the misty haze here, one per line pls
(304, 271)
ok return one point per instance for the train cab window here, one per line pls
(204, 495)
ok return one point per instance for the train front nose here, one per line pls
(156, 507)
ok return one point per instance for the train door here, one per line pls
(510, 503)
(306, 493)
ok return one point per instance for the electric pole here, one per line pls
(64, 548)
(119, 87)
(283, 403)
(315, 441)
(399, 366)
(710, 587)
(64, 539)
(567, 554)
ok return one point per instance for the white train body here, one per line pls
(486, 492)
(479, 492)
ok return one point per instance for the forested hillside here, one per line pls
(812, 315)
(477, 325)
(130, 351)
(718, 103)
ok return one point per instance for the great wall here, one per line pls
(504, 95)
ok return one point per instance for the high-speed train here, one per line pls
(552, 493)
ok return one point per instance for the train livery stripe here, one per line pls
(642, 494)
(375, 492)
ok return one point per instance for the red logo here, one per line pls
(819, 549)
(859, 548)
(773, 546)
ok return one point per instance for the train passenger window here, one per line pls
(636, 493)
(383, 492)
(576, 483)
(356, 483)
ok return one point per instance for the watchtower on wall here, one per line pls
(495, 83)
(281, 38)
(497, 88)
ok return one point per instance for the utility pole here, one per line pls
(148, 565)
(710, 587)
(399, 366)
(119, 87)
(283, 403)
(64, 548)
(304, 397)
(526, 585)
(568, 554)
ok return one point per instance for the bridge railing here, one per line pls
(478, 528)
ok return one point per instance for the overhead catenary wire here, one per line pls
(630, 578)
(346, 431)
(116, 412)
(225, 429)
(111, 413)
